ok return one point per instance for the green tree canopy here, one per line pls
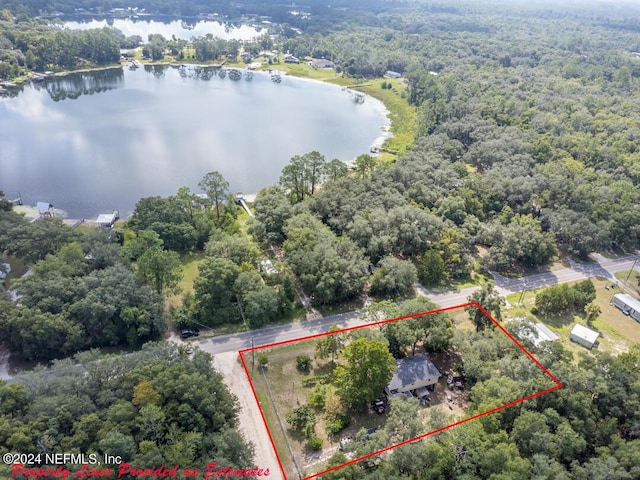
(369, 368)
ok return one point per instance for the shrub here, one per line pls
(338, 424)
(263, 359)
(315, 443)
(318, 396)
(304, 363)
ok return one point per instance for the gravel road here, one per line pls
(251, 424)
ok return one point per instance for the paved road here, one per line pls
(603, 267)
(578, 271)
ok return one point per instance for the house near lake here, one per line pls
(322, 64)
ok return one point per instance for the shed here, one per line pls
(629, 305)
(413, 373)
(584, 336)
(392, 74)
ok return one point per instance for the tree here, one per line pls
(40, 336)
(335, 169)
(143, 241)
(591, 310)
(215, 298)
(369, 368)
(303, 420)
(301, 176)
(563, 298)
(364, 164)
(394, 277)
(272, 210)
(160, 269)
(488, 299)
(216, 188)
(34, 241)
(237, 248)
(144, 394)
(430, 268)
(330, 344)
(261, 306)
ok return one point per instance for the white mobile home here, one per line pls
(629, 305)
(584, 336)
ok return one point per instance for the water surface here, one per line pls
(90, 143)
(181, 29)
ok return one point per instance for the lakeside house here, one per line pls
(322, 64)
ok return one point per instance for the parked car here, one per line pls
(189, 333)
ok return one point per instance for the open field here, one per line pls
(630, 278)
(189, 272)
(618, 331)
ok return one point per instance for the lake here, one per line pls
(93, 142)
(181, 29)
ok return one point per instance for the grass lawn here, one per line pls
(459, 284)
(617, 330)
(633, 280)
(189, 273)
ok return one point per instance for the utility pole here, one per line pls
(632, 267)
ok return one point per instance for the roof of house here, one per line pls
(412, 370)
(322, 63)
(585, 334)
(43, 206)
(628, 300)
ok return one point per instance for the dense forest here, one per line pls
(526, 151)
(162, 405)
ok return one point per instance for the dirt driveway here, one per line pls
(251, 424)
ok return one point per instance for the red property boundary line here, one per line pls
(557, 386)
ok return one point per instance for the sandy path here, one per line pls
(251, 424)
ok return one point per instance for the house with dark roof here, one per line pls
(322, 63)
(413, 375)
